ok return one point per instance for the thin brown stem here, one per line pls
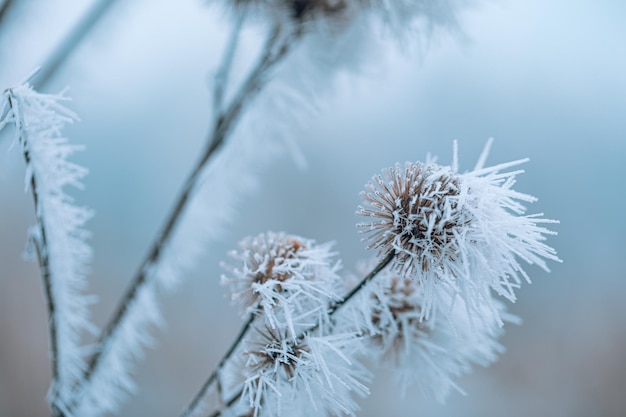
(332, 310)
(193, 406)
(366, 280)
(40, 242)
(251, 86)
(222, 128)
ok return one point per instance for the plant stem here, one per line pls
(4, 8)
(70, 42)
(222, 128)
(40, 242)
(366, 280)
(192, 407)
(222, 74)
(332, 310)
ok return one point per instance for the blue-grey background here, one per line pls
(546, 79)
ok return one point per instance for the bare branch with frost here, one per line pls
(108, 376)
(58, 239)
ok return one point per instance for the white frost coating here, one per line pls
(59, 236)
(230, 175)
(288, 281)
(428, 353)
(342, 37)
(456, 234)
(228, 178)
(110, 385)
(309, 377)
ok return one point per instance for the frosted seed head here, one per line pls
(415, 214)
(288, 280)
(268, 259)
(395, 315)
(457, 234)
(306, 376)
(277, 353)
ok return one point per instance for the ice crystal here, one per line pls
(109, 386)
(307, 376)
(59, 239)
(429, 353)
(289, 280)
(455, 233)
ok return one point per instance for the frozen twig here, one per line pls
(57, 239)
(41, 246)
(223, 73)
(195, 403)
(275, 49)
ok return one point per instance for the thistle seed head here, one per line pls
(396, 315)
(460, 234)
(288, 280)
(415, 214)
(277, 353)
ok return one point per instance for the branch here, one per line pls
(40, 241)
(222, 74)
(57, 239)
(195, 403)
(224, 124)
(4, 8)
(70, 42)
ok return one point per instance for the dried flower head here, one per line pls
(395, 316)
(288, 279)
(307, 376)
(438, 351)
(417, 215)
(299, 10)
(430, 353)
(463, 233)
(400, 16)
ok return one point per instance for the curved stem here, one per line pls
(70, 42)
(333, 309)
(222, 128)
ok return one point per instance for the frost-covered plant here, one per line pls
(428, 306)
(458, 234)
(288, 280)
(58, 240)
(307, 376)
(428, 353)
(449, 244)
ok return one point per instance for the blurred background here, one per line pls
(547, 80)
